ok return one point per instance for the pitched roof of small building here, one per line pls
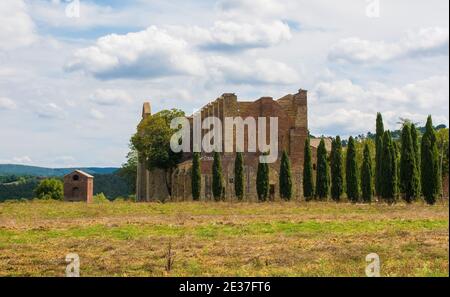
(81, 173)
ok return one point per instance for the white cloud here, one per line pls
(239, 25)
(344, 121)
(343, 107)
(235, 36)
(64, 161)
(260, 71)
(17, 28)
(49, 111)
(428, 93)
(424, 42)
(96, 114)
(250, 8)
(431, 92)
(17, 160)
(154, 53)
(110, 97)
(91, 15)
(338, 91)
(7, 104)
(265, 62)
(145, 54)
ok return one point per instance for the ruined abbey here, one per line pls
(292, 113)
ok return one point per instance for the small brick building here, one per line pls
(78, 186)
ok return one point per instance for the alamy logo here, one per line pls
(373, 8)
(73, 9)
(373, 268)
(227, 137)
(73, 268)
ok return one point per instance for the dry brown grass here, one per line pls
(216, 239)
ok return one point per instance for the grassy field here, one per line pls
(223, 239)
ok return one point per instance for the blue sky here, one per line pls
(71, 88)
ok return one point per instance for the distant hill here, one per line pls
(13, 169)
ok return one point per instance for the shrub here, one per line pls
(50, 189)
(100, 198)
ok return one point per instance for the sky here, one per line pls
(74, 73)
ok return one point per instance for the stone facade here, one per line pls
(292, 113)
(78, 186)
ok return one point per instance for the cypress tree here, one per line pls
(308, 185)
(429, 162)
(416, 147)
(378, 153)
(285, 177)
(366, 176)
(409, 178)
(262, 181)
(388, 178)
(337, 179)
(239, 176)
(217, 182)
(396, 166)
(351, 170)
(196, 177)
(322, 178)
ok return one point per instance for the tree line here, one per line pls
(262, 178)
(407, 169)
(24, 187)
(387, 165)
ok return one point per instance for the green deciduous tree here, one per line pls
(378, 153)
(217, 182)
(196, 177)
(285, 177)
(262, 181)
(152, 141)
(322, 178)
(429, 162)
(409, 178)
(51, 188)
(366, 176)
(337, 179)
(351, 169)
(128, 171)
(239, 176)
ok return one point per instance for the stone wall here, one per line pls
(291, 111)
